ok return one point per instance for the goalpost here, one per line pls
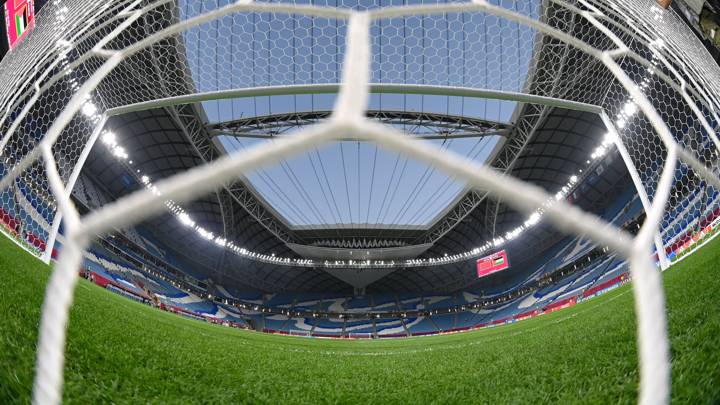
(654, 85)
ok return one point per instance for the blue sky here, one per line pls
(356, 182)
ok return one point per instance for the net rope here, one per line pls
(657, 88)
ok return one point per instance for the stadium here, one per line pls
(355, 201)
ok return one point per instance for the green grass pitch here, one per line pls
(124, 352)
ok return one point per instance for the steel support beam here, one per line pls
(188, 118)
(420, 124)
(190, 121)
(333, 88)
(529, 117)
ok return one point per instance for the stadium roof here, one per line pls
(160, 149)
(279, 211)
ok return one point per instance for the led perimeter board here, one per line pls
(493, 263)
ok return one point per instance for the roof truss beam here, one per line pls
(186, 116)
(422, 125)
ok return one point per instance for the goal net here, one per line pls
(637, 66)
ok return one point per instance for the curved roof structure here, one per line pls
(516, 122)
(159, 148)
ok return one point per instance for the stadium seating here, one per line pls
(421, 326)
(358, 304)
(120, 276)
(445, 322)
(262, 311)
(359, 327)
(391, 328)
(592, 275)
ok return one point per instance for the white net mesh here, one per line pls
(637, 65)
